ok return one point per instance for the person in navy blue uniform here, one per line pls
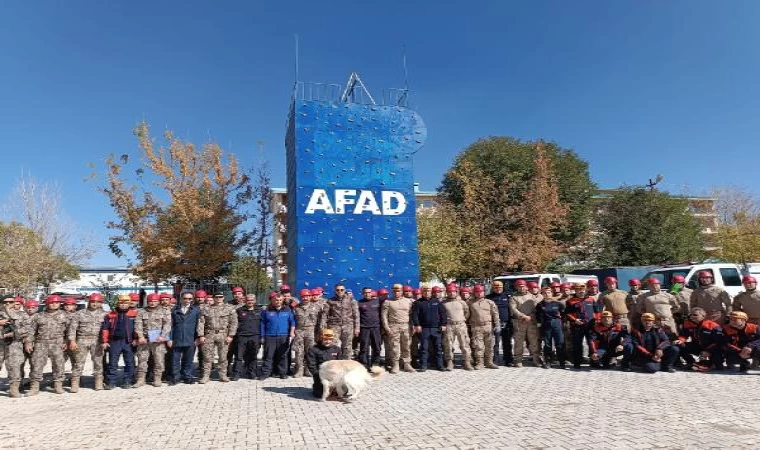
(580, 312)
(741, 340)
(324, 350)
(277, 327)
(607, 340)
(369, 328)
(699, 336)
(549, 314)
(650, 348)
(249, 339)
(503, 331)
(118, 332)
(429, 320)
(185, 317)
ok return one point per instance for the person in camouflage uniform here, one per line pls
(713, 299)
(633, 303)
(45, 339)
(306, 315)
(14, 324)
(662, 304)
(342, 316)
(153, 320)
(83, 335)
(457, 313)
(484, 316)
(216, 328)
(70, 308)
(394, 317)
(522, 307)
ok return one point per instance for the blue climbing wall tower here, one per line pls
(350, 178)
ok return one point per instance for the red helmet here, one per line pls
(321, 291)
(284, 288)
(416, 291)
(436, 289)
(305, 293)
(653, 280)
(19, 299)
(634, 282)
(173, 300)
(407, 289)
(382, 291)
(200, 293)
(678, 279)
(555, 284)
(705, 274)
(164, 295)
(592, 282)
(273, 294)
(69, 301)
(96, 297)
(748, 279)
(373, 293)
(565, 286)
(53, 299)
(451, 287)
(520, 283)
(237, 289)
(532, 284)
(464, 290)
(609, 280)
(479, 288)
(153, 297)
(316, 292)
(32, 304)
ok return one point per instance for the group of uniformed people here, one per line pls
(698, 329)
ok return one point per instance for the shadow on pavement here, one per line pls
(301, 392)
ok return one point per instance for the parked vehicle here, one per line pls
(623, 274)
(543, 279)
(727, 276)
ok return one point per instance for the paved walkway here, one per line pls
(506, 408)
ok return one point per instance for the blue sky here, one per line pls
(637, 88)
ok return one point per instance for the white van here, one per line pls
(543, 279)
(727, 276)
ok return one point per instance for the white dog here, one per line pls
(347, 378)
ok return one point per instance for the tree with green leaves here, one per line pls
(641, 226)
(439, 240)
(511, 160)
(179, 207)
(246, 271)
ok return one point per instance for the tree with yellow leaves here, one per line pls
(180, 211)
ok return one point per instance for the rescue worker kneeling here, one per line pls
(606, 340)
(323, 351)
(742, 340)
(699, 336)
(650, 348)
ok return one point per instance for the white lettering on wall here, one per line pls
(392, 203)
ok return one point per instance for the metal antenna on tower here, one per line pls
(295, 36)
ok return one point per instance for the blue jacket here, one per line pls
(184, 325)
(428, 313)
(277, 323)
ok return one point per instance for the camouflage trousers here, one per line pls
(482, 343)
(14, 360)
(215, 343)
(95, 350)
(523, 331)
(303, 341)
(399, 341)
(155, 350)
(4, 353)
(346, 338)
(43, 350)
(456, 332)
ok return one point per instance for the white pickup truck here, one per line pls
(543, 279)
(727, 276)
